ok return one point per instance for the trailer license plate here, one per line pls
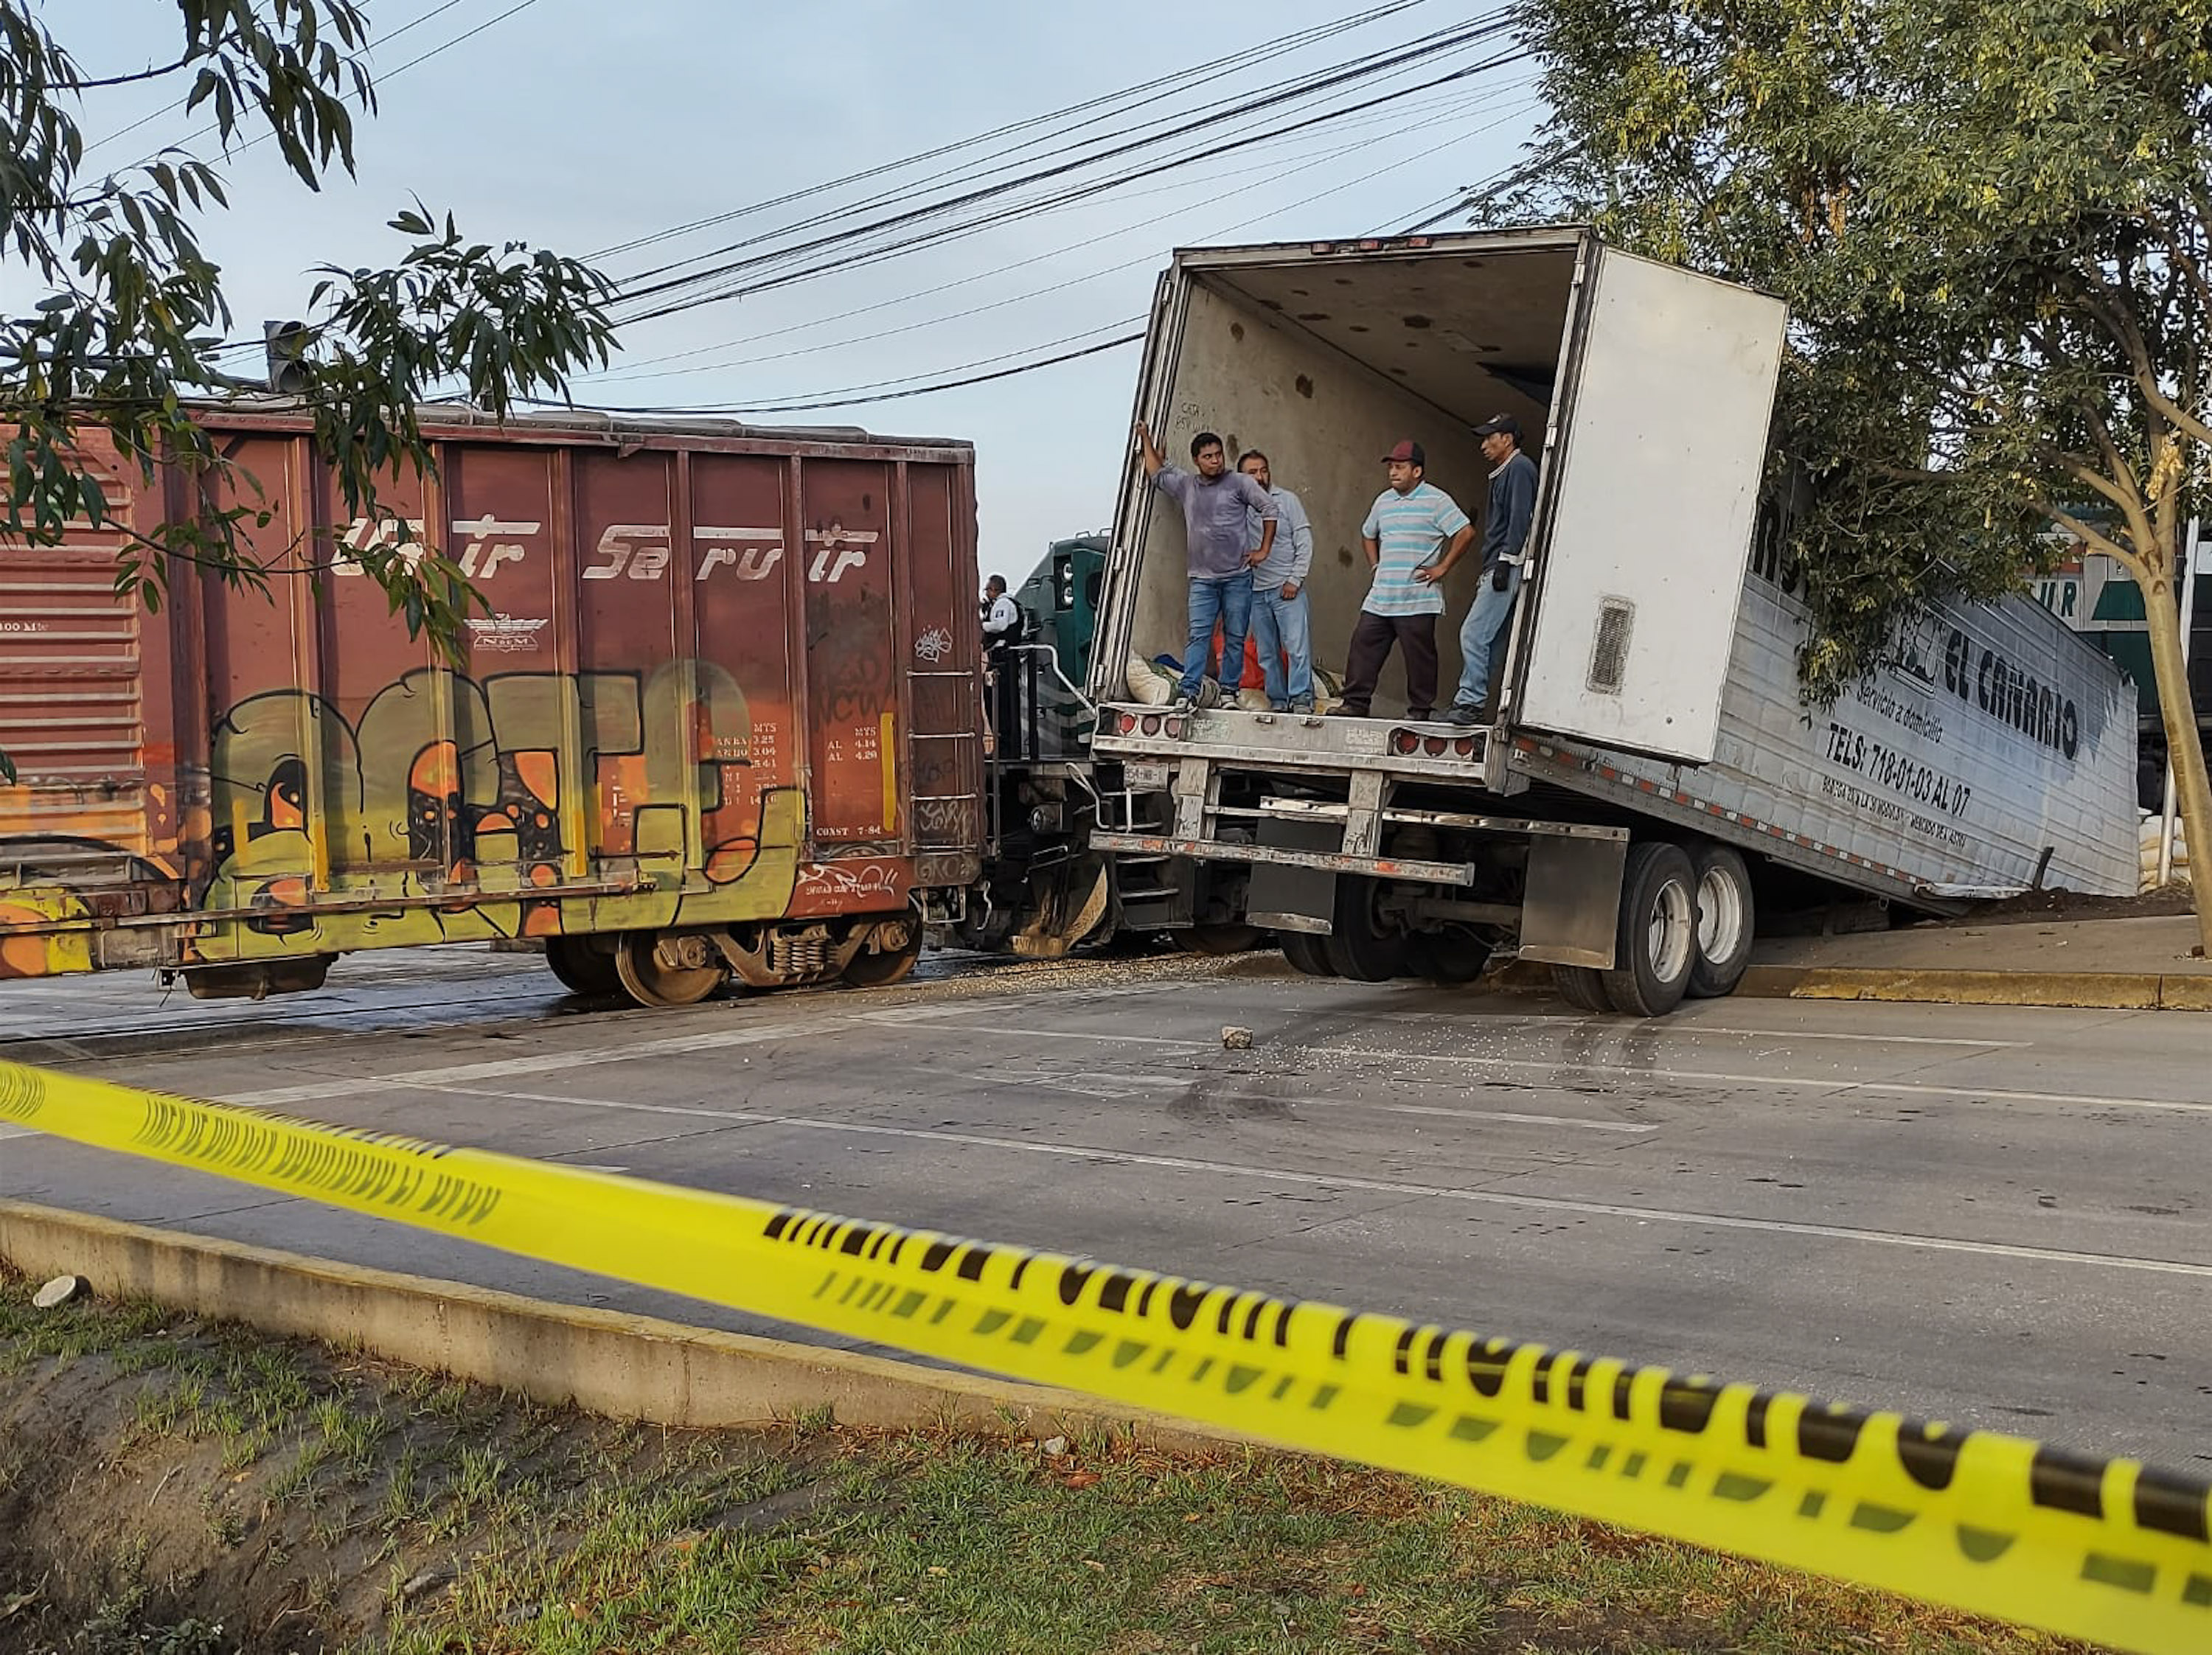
(1148, 777)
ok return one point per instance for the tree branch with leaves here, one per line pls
(1993, 225)
(133, 322)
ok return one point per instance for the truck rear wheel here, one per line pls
(1726, 924)
(1309, 954)
(1216, 939)
(1359, 949)
(1657, 943)
(1450, 959)
(1581, 987)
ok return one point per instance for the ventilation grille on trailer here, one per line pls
(1608, 668)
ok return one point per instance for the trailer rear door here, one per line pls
(1646, 515)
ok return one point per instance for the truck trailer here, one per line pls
(720, 719)
(1651, 773)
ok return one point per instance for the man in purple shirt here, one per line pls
(1214, 501)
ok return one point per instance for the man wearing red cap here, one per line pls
(1413, 535)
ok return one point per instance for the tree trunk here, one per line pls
(2185, 752)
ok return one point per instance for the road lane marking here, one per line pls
(544, 1062)
(918, 1018)
(1372, 1186)
(1689, 1026)
(1137, 1088)
(1501, 1025)
(1833, 1085)
(1565, 1067)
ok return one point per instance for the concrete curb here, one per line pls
(2113, 990)
(619, 1365)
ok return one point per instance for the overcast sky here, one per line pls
(583, 125)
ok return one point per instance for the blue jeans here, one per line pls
(1478, 634)
(1228, 599)
(1283, 627)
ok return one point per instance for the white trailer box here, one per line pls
(1653, 765)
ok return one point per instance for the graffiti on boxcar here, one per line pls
(446, 783)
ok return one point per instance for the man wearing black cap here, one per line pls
(1413, 535)
(1505, 544)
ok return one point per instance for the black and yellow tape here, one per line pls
(2107, 1550)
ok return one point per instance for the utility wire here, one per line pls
(861, 395)
(171, 109)
(622, 370)
(1277, 170)
(439, 49)
(1273, 98)
(888, 396)
(1296, 40)
(1229, 108)
(1083, 192)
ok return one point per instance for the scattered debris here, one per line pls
(1053, 1447)
(1236, 1040)
(59, 1291)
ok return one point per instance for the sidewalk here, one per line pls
(2138, 964)
(2121, 964)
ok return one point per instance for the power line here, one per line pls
(1117, 145)
(1022, 263)
(171, 109)
(1082, 192)
(888, 396)
(1295, 40)
(863, 394)
(1340, 76)
(1276, 169)
(1100, 142)
(439, 49)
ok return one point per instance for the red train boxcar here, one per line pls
(721, 718)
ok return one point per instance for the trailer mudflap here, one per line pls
(1290, 896)
(1570, 915)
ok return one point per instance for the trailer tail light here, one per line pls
(1174, 730)
(1464, 747)
(1434, 746)
(1405, 743)
(1151, 724)
(1124, 724)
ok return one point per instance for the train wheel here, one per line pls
(881, 968)
(582, 968)
(1308, 954)
(646, 979)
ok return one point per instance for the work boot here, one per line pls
(1461, 713)
(1345, 709)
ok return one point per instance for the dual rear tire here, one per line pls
(1686, 930)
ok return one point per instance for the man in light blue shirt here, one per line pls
(1281, 624)
(1413, 535)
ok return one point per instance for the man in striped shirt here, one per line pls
(1413, 535)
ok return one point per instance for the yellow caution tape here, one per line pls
(2108, 1550)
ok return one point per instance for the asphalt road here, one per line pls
(1991, 1216)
